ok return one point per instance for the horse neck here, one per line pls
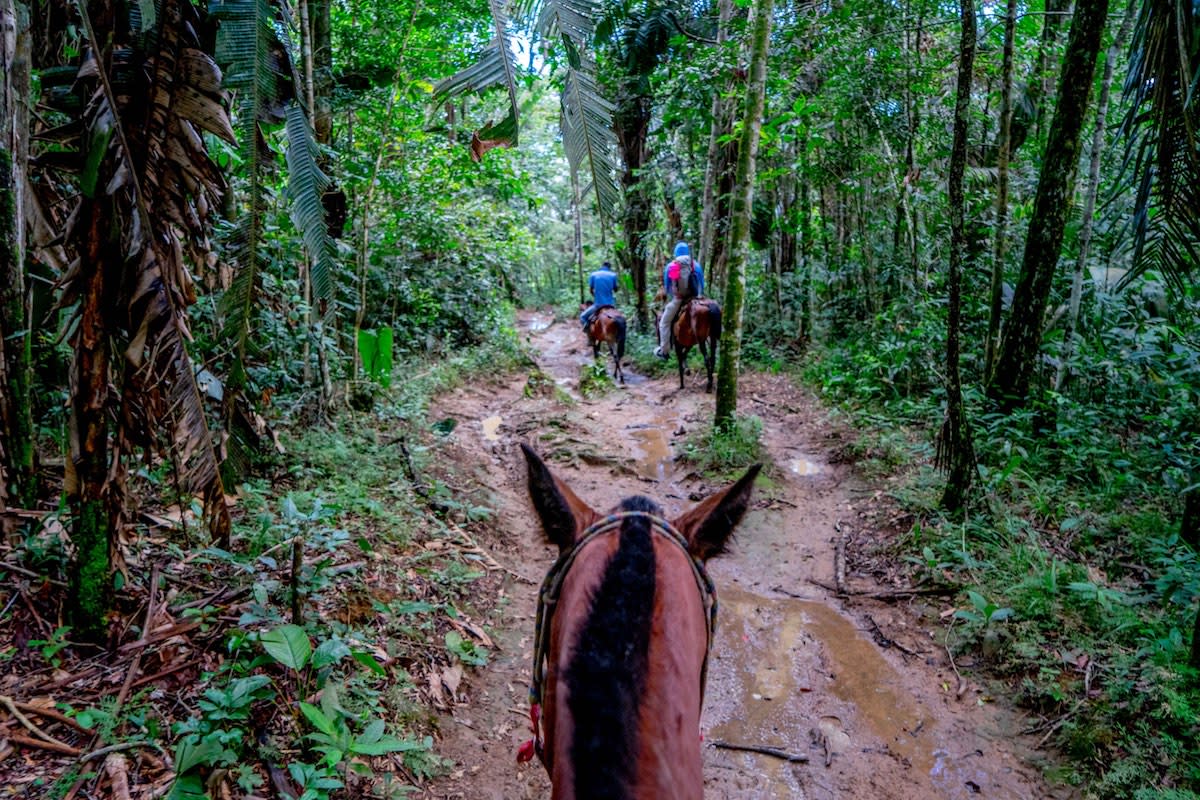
(622, 715)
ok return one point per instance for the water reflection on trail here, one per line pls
(771, 652)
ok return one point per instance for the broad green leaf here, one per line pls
(289, 645)
(368, 661)
(317, 717)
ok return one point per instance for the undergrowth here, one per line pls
(352, 586)
(1074, 588)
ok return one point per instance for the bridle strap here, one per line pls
(552, 587)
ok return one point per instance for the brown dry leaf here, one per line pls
(452, 679)
(435, 690)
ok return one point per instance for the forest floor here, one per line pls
(862, 685)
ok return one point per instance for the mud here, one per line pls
(793, 667)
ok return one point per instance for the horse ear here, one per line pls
(708, 525)
(562, 513)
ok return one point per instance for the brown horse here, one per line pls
(698, 324)
(608, 326)
(624, 627)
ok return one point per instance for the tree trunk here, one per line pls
(1041, 83)
(577, 216)
(714, 220)
(1000, 251)
(735, 279)
(89, 495)
(954, 447)
(1089, 198)
(17, 478)
(1023, 335)
(632, 123)
(322, 54)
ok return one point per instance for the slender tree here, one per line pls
(1023, 335)
(955, 452)
(1000, 246)
(17, 481)
(1089, 195)
(735, 282)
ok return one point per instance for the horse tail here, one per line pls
(607, 674)
(619, 322)
(714, 326)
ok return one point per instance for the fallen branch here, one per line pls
(7, 702)
(890, 594)
(774, 752)
(54, 747)
(839, 560)
(50, 713)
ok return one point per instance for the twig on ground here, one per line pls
(962, 684)
(119, 746)
(890, 594)
(54, 747)
(8, 703)
(4, 565)
(774, 752)
(839, 560)
(885, 641)
(50, 713)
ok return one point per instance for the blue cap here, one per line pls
(681, 249)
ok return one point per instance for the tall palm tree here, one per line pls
(146, 189)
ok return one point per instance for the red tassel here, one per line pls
(525, 752)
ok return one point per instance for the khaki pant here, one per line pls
(665, 322)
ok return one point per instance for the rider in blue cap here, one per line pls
(679, 290)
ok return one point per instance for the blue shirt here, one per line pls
(695, 268)
(602, 283)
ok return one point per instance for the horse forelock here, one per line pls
(606, 675)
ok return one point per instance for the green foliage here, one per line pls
(720, 451)
(594, 380)
(375, 352)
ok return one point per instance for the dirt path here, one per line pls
(793, 667)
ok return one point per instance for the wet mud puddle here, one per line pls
(650, 443)
(853, 705)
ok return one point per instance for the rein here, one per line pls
(552, 586)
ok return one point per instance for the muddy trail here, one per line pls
(859, 686)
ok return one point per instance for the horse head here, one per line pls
(625, 624)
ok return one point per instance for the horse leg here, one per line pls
(708, 364)
(617, 373)
(681, 355)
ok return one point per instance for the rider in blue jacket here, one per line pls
(603, 284)
(676, 296)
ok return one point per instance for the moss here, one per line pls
(91, 573)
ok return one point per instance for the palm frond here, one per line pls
(589, 140)
(1162, 145)
(573, 19)
(495, 67)
(155, 179)
(259, 73)
(306, 186)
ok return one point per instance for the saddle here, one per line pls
(596, 318)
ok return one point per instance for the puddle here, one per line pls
(491, 428)
(538, 323)
(652, 448)
(799, 676)
(786, 647)
(804, 467)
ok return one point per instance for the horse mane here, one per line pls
(607, 671)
